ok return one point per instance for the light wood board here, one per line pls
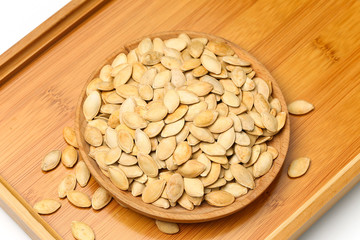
(310, 47)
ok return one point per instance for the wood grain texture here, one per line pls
(205, 212)
(310, 47)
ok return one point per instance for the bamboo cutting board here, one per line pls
(312, 48)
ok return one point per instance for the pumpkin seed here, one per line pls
(191, 169)
(82, 173)
(242, 176)
(300, 107)
(69, 136)
(221, 124)
(182, 153)
(148, 165)
(118, 178)
(69, 156)
(153, 191)
(202, 134)
(166, 148)
(82, 231)
(172, 129)
(193, 187)
(78, 199)
(263, 164)
(51, 160)
(100, 199)
(142, 141)
(219, 198)
(205, 118)
(46, 206)
(298, 167)
(235, 189)
(125, 140)
(67, 184)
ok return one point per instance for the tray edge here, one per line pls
(320, 202)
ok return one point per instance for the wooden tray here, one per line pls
(311, 48)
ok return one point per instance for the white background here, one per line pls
(19, 17)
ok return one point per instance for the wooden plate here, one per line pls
(204, 212)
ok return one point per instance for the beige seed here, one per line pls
(171, 100)
(156, 111)
(255, 153)
(205, 118)
(142, 141)
(269, 121)
(281, 119)
(195, 49)
(82, 173)
(131, 171)
(243, 154)
(123, 75)
(207, 163)
(154, 128)
(242, 176)
(78, 199)
(230, 99)
(298, 167)
(200, 88)
(195, 109)
(69, 136)
(219, 183)
(235, 189)
(185, 202)
(187, 97)
(137, 188)
(211, 64)
(263, 164)
(166, 148)
(133, 120)
(218, 159)
(161, 79)
(175, 187)
(192, 140)
(125, 140)
(127, 90)
(193, 187)
(219, 198)
(112, 156)
(51, 160)
(220, 48)
(236, 122)
(199, 71)
(162, 202)
(100, 199)
(91, 105)
(111, 138)
(177, 114)
(190, 64)
(93, 136)
(300, 107)
(191, 169)
(167, 227)
(221, 124)
(213, 175)
(214, 149)
(217, 86)
(172, 129)
(230, 86)
(46, 206)
(82, 231)
(227, 138)
(171, 62)
(153, 191)
(67, 184)
(118, 178)
(236, 61)
(261, 104)
(147, 165)
(238, 76)
(182, 153)
(242, 139)
(202, 134)
(247, 122)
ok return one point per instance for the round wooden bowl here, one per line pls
(204, 212)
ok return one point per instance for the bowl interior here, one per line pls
(204, 212)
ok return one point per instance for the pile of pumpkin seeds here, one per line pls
(180, 121)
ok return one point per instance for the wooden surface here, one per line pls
(205, 212)
(310, 47)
